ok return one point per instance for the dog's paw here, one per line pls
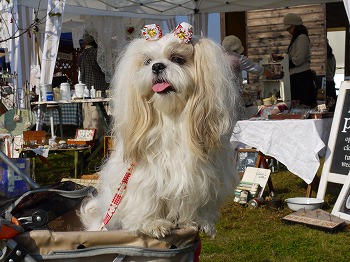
(208, 229)
(204, 227)
(90, 214)
(192, 225)
(158, 228)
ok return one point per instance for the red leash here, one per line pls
(117, 197)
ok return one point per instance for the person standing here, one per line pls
(234, 48)
(90, 71)
(301, 77)
(330, 72)
(91, 75)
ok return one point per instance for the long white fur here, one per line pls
(179, 142)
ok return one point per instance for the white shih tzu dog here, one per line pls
(174, 107)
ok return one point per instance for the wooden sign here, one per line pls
(337, 162)
(317, 218)
(257, 176)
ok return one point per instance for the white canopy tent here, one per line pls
(347, 7)
(150, 8)
(112, 17)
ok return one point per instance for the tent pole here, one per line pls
(37, 51)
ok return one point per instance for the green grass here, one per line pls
(62, 166)
(260, 234)
(245, 234)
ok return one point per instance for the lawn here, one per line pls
(259, 234)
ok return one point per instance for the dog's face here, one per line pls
(167, 83)
(164, 73)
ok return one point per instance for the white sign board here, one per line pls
(337, 162)
(257, 176)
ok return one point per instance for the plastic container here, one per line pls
(49, 96)
(44, 89)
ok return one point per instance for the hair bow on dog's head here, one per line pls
(183, 31)
(152, 32)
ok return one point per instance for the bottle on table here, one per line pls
(86, 92)
(92, 92)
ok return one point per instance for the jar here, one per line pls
(65, 91)
(79, 90)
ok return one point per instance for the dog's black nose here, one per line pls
(158, 67)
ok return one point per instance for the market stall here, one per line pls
(75, 16)
(129, 16)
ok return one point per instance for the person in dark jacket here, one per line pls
(90, 71)
(301, 77)
(330, 84)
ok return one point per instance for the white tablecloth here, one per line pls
(295, 143)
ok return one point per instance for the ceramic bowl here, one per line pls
(296, 203)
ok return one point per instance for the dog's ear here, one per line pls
(132, 114)
(212, 109)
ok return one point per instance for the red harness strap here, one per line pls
(117, 197)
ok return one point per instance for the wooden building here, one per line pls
(262, 32)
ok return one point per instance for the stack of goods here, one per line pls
(246, 191)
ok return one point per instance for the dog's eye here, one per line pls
(147, 62)
(178, 60)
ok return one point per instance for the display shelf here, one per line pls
(281, 86)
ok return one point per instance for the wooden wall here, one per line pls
(265, 33)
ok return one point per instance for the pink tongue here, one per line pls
(159, 87)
